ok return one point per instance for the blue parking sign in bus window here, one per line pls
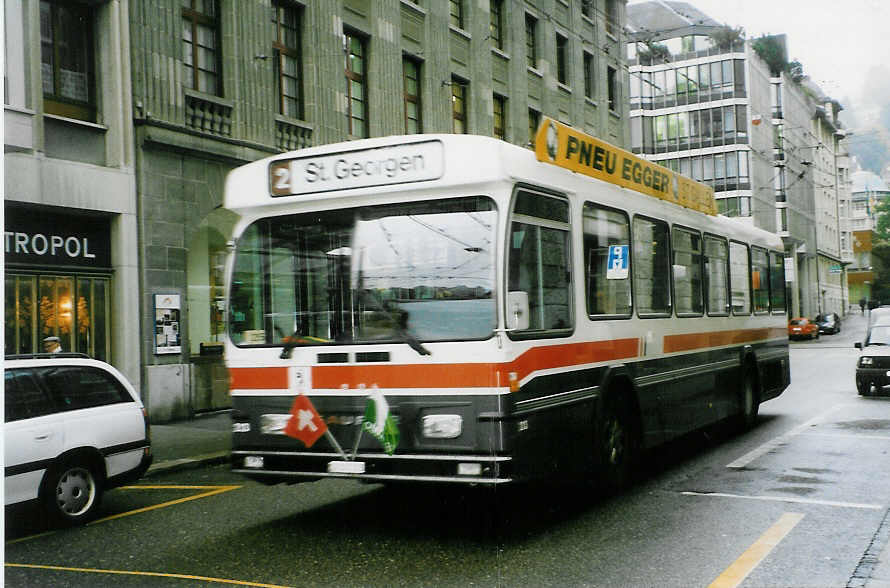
(618, 262)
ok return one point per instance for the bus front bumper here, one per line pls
(288, 466)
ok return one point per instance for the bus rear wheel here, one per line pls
(750, 405)
(618, 446)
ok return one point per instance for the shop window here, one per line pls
(74, 308)
(207, 255)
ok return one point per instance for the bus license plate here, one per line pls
(346, 467)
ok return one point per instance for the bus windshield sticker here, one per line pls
(397, 164)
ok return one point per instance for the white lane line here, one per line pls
(781, 439)
(790, 499)
(848, 436)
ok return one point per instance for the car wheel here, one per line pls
(863, 386)
(618, 446)
(72, 492)
(749, 402)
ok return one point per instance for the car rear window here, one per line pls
(23, 396)
(798, 322)
(76, 387)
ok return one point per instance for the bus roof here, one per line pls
(404, 163)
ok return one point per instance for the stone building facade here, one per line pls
(124, 118)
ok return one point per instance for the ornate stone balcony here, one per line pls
(208, 114)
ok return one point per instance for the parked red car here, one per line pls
(801, 327)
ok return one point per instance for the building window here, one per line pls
(496, 28)
(611, 17)
(588, 76)
(612, 81)
(562, 66)
(587, 8)
(411, 80)
(458, 106)
(782, 220)
(200, 46)
(287, 51)
(531, 41)
(534, 119)
(66, 47)
(356, 86)
(500, 109)
(457, 13)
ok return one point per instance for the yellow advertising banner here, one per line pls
(566, 147)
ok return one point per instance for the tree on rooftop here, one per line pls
(726, 36)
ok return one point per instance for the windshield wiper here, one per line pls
(404, 335)
(298, 340)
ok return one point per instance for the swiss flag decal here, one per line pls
(305, 423)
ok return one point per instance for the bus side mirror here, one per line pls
(517, 311)
(858, 344)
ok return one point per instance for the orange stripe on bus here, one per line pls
(265, 378)
(689, 341)
(470, 375)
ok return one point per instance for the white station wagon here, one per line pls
(74, 428)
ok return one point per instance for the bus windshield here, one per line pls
(420, 271)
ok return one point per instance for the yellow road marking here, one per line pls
(135, 573)
(214, 490)
(736, 573)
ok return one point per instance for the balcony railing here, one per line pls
(291, 135)
(208, 114)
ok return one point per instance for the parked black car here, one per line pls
(829, 323)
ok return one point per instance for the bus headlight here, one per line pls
(866, 361)
(273, 424)
(442, 426)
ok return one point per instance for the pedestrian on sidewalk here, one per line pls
(862, 306)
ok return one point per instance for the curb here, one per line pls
(186, 463)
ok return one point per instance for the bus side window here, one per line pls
(540, 262)
(716, 276)
(777, 281)
(760, 279)
(606, 241)
(687, 248)
(651, 267)
(740, 279)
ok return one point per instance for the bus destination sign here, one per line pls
(566, 147)
(399, 164)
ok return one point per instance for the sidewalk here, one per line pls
(204, 439)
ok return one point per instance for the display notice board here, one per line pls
(167, 318)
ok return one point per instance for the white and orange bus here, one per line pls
(514, 314)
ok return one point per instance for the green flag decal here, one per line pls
(380, 423)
